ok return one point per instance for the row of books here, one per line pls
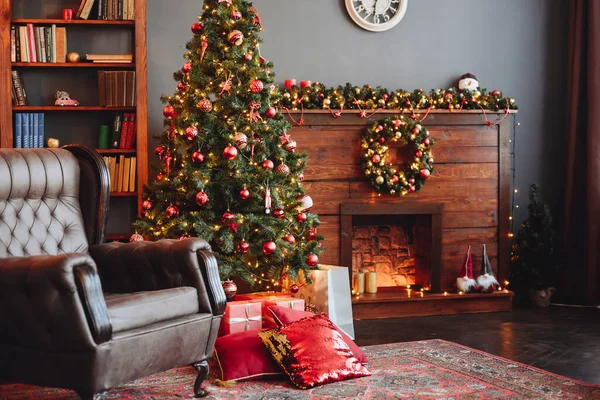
(124, 131)
(122, 170)
(29, 130)
(107, 9)
(44, 44)
(18, 94)
(116, 88)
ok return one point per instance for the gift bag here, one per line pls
(330, 293)
(241, 316)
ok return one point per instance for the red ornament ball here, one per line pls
(312, 260)
(412, 189)
(136, 237)
(230, 153)
(268, 164)
(395, 179)
(197, 157)
(290, 146)
(169, 112)
(271, 112)
(301, 217)
(426, 142)
(227, 217)
(386, 96)
(172, 211)
(424, 173)
(376, 159)
(244, 194)
(147, 205)
(419, 153)
(312, 234)
(283, 169)
(236, 15)
(197, 28)
(496, 93)
(160, 151)
(257, 86)
(411, 181)
(289, 238)
(236, 38)
(191, 132)
(278, 213)
(159, 177)
(248, 57)
(204, 105)
(269, 248)
(243, 247)
(187, 67)
(294, 289)
(201, 199)
(181, 86)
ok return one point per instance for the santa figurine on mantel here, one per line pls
(486, 281)
(468, 81)
(466, 282)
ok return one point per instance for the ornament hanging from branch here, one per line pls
(204, 46)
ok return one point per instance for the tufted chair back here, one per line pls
(39, 203)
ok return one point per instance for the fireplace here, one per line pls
(399, 241)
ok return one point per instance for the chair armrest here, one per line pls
(40, 306)
(165, 264)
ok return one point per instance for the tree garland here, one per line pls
(375, 151)
(350, 97)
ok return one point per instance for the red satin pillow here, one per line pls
(312, 352)
(242, 356)
(285, 316)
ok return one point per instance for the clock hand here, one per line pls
(375, 8)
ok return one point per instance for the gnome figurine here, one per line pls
(486, 281)
(468, 81)
(466, 283)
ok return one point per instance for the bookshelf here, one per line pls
(79, 124)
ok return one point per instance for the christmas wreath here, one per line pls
(375, 151)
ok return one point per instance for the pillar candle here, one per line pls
(371, 285)
(289, 83)
(360, 282)
(304, 84)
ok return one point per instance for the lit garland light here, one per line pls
(375, 143)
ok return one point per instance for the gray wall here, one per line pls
(517, 46)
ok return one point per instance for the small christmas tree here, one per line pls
(535, 261)
(229, 172)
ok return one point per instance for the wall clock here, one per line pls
(376, 15)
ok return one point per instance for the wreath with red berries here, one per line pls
(375, 152)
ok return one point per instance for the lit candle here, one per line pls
(360, 282)
(304, 84)
(289, 83)
(371, 282)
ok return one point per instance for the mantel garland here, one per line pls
(375, 151)
(350, 97)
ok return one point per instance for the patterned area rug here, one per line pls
(432, 369)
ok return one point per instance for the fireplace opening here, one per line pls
(397, 248)
(400, 242)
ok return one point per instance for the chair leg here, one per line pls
(91, 396)
(203, 370)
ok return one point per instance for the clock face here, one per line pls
(376, 15)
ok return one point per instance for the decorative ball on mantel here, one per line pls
(468, 81)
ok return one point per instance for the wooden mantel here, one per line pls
(472, 178)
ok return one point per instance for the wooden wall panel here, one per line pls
(468, 166)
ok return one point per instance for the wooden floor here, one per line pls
(563, 340)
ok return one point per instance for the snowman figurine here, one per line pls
(468, 81)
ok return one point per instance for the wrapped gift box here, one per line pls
(260, 296)
(282, 301)
(241, 316)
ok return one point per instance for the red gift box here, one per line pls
(282, 301)
(241, 316)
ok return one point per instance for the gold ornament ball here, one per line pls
(73, 57)
(379, 180)
(53, 143)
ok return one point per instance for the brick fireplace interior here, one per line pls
(399, 241)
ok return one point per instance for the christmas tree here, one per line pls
(535, 262)
(229, 171)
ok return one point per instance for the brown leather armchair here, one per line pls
(79, 314)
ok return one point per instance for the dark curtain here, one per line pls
(581, 279)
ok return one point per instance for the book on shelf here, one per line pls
(116, 88)
(124, 131)
(19, 89)
(107, 58)
(45, 44)
(115, 9)
(122, 172)
(29, 130)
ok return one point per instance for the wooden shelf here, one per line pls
(72, 65)
(94, 22)
(116, 151)
(123, 194)
(71, 108)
